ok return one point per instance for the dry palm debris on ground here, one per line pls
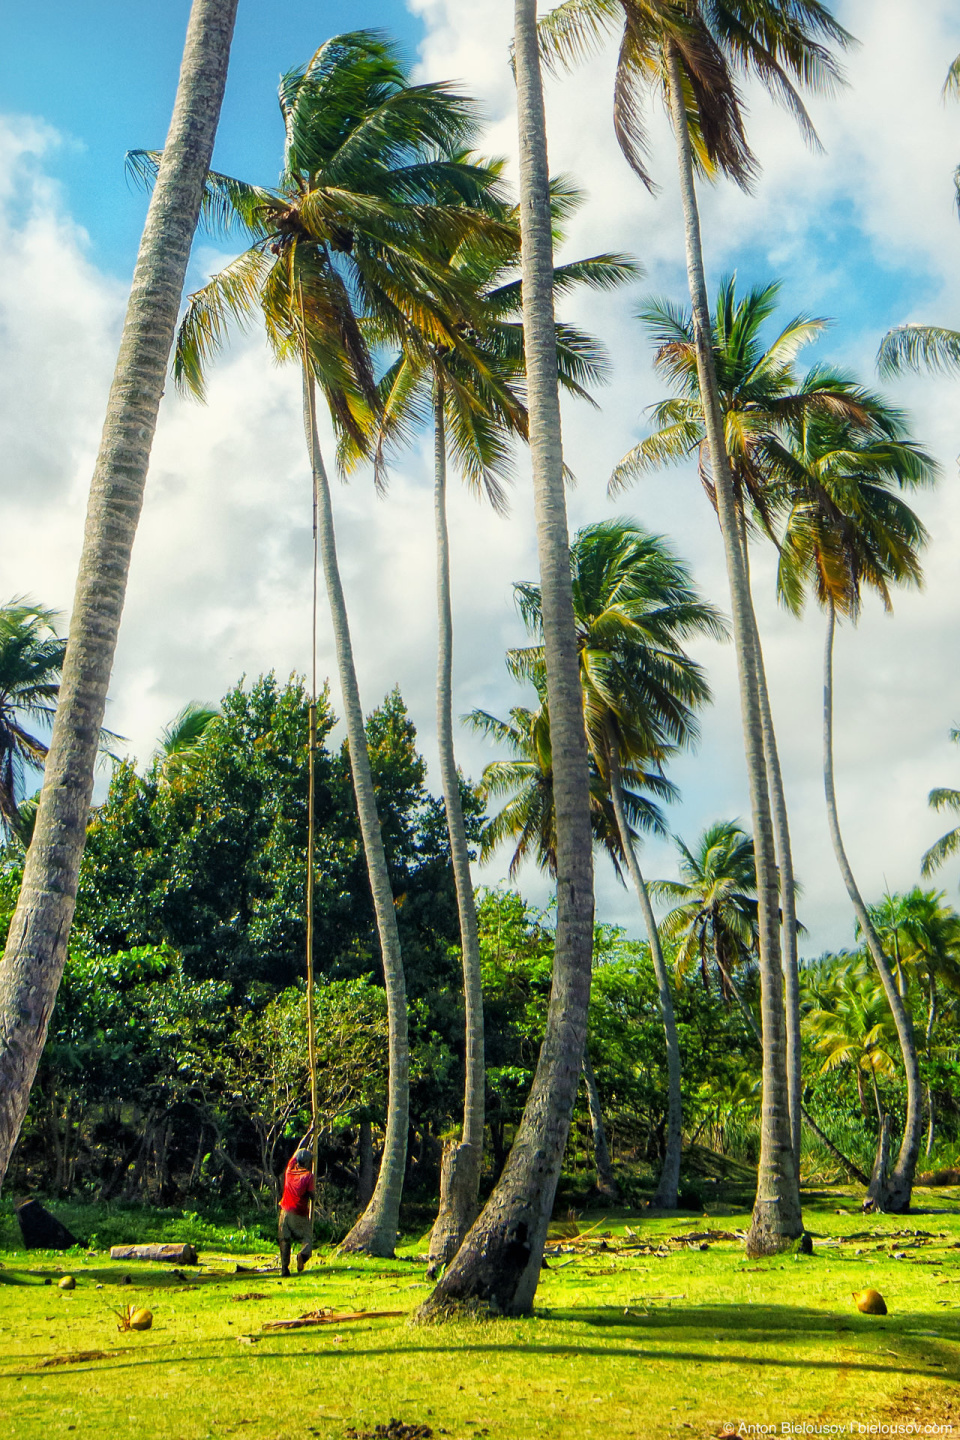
(393, 1430)
(329, 1317)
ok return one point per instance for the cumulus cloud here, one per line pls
(220, 579)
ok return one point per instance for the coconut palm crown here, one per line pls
(760, 391)
(31, 660)
(375, 186)
(715, 917)
(527, 819)
(779, 42)
(943, 798)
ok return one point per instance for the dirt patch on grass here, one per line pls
(927, 1405)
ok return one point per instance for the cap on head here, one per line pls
(304, 1159)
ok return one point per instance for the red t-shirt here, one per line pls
(297, 1188)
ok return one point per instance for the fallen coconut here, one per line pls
(67, 1283)
(131, 1317)
(869, 1302)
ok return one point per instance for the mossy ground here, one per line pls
(620, 1346)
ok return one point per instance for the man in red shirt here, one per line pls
(296, 1220)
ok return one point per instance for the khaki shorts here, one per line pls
(297, 1229)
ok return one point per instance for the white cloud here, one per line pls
(220, 577)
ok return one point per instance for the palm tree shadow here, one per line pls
(775, 1326)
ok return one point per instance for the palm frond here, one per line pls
(231, 296)
(917, 347)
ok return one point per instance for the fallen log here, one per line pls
(169, 1254)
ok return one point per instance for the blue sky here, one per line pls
(111, 70)
(866, 232)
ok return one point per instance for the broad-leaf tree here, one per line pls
(37, 942)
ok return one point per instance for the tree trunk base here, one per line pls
(459, 1207)
(769, 1236)
(367, 1242)
(494, 1268)
(876, 1197)
(370, 1236)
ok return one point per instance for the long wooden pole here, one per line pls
(310, 395)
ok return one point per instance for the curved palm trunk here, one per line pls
(931, 1019)
(462, 1161)
(606, 1180)
(375, 1233)
(668, 1184)
(788, 886)
(37, 942)
(777, 1218)
(498, 1265)
(898, 1186)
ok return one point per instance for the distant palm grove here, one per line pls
(260, 927)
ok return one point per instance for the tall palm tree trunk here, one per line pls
(462, 1161)
(777, 1218)
(375, 1233)
(788, 885)
(898, 1185)
(668, 1184)
(37, 942)
(606, 1179)
(498, 1265)
(931, 1020)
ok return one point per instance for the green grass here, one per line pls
(620, 1346)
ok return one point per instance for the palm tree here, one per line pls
(350, 244)
(37, 941)
(498, 1264)
(691, 52)
(847, 528)
(758, 392)
(635, 605)
(181, 742)
(948, 845)
(931, 347)
(474, 396)
(527, 819)
(849, 1022)
(31, 661)
(923, 933)
(714, 921)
